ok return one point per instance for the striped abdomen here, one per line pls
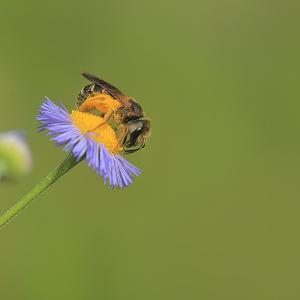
(88, 91)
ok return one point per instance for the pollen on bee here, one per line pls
(101, 102)
(98, 130)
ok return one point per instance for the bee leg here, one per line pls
(106, 119)
(108, 116)
(91, 103)
(122, 136)
(129, 151)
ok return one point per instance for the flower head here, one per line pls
(81, 133)
(15, 155)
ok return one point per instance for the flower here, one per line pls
(80, 133)
(15, 155)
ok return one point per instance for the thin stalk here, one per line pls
(63, 168)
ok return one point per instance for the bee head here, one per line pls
(136, 109)
(139, 130)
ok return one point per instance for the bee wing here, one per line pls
(112, 90)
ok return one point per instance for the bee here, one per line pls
(134, 128)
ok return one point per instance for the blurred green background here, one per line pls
(215, 214)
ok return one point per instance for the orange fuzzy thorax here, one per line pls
(101, 102)
(104, 134)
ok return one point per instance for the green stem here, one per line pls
(63, 168)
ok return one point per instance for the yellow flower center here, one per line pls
(100, 131)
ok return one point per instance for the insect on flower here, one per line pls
(134, 127)
(90, 137)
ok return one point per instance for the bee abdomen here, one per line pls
(86, 92)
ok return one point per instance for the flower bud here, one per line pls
(15, 155)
